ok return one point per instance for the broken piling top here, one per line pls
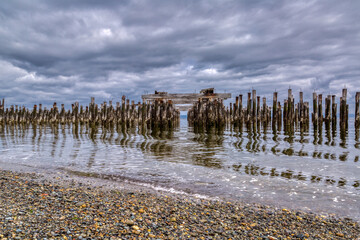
(160, 93)
(207, 91)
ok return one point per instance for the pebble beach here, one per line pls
(34, 207)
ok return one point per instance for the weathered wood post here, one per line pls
(123, 110)
(258, 109)
(76, 112)
(315, 110)
(333, 111)
(327, 109)
(343, 109)
(2, 107)
(117, 113)
(290, 108)
(92, 110)
(103, 113)
(33, 115)
(62, 114)
(307, 113)
(275, 112)
(111, 117)
(264, 112)
(139, 112)
(133, 113)
(241, 117)
(296, 118)
(82, 116)
(72, 113)
(55, 113)
(96, 114)
(12, 114)
(17, 114)
(253, 115)
(143, 112)
(279, 115)
(301, 108)
(320, 112)
(40, 114)
(285, 113)
(169, 114)
(236, 110)
(149, 107)
(248, 113)
(357, 110)
(211, 112)
(154, 109)
(127, 112)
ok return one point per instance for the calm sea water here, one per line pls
(315, 170)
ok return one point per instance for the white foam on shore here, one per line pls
(174, 191)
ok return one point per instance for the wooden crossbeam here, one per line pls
(184, 98)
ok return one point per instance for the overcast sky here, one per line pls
(71, 50)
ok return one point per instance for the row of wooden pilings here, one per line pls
(212, 112)
(161, 113)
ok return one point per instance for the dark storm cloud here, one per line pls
(71, 50)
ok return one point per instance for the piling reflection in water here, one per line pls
(210, 140)
(205, 146)
(294, 144)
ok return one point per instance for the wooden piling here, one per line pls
(241, 116)
(285, 112)
(290, 108)
(328, 109)
(258, 109)
(307, 113)
(207, 111)
(357, 110)
(264, 112)
(2, 108)
(315, 111)
(235, 118)
(253, 115)
(248, 112)
(333, 111)
(275, 112)
(301, 108)
(343, 109)
(278, 117)
(320, 112)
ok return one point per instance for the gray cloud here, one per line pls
(70, 50)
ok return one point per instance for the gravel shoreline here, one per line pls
(32, 207)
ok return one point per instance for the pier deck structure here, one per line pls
(184, 101)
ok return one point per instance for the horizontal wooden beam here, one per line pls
(184, 98)
(183, 108)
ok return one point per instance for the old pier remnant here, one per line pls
(184, 101)
(205, 108)
(159, 113)
(291, 114)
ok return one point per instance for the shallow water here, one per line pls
(315, 170)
